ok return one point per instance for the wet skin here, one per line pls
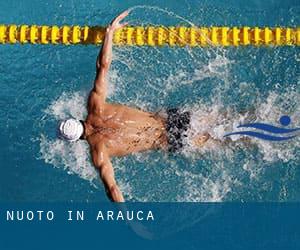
(123, 130)
(113, 129)
(118, 130)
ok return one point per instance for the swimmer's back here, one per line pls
(126, 130)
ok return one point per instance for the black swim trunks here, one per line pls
(177, 124)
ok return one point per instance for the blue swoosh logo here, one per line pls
(269, 128)
(284, 121)
(262, 136)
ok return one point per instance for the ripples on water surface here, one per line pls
(231, 86)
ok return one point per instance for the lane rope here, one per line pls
(152, 35)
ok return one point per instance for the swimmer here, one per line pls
(114, 130)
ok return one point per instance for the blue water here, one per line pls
(42, 84)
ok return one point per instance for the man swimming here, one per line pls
(117, 130)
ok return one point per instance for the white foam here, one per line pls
(271, 110)
(213, 188)
(174, 182)
(72, 157)
(212, 118)
(68, 105)
(216, 121)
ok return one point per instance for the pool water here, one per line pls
(43, 84)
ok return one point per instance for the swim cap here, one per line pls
(70, 130)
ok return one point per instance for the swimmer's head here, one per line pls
(70, 130)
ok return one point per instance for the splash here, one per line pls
(218, 120)
(74, 158)
(215, 85)
(214, 184)
(68, 105)
(213, 188)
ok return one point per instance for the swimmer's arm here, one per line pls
(103, 164)
(105, 56)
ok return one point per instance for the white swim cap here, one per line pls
(70, 130)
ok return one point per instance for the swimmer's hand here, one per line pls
(115, 24)
(105, 57)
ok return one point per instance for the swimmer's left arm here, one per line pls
(103, 164)
(105, 56)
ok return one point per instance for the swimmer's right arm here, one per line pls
(105, 56)
(103, 164)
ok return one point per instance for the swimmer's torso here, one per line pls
(124, 130)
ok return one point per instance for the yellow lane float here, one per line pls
(152, 35)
